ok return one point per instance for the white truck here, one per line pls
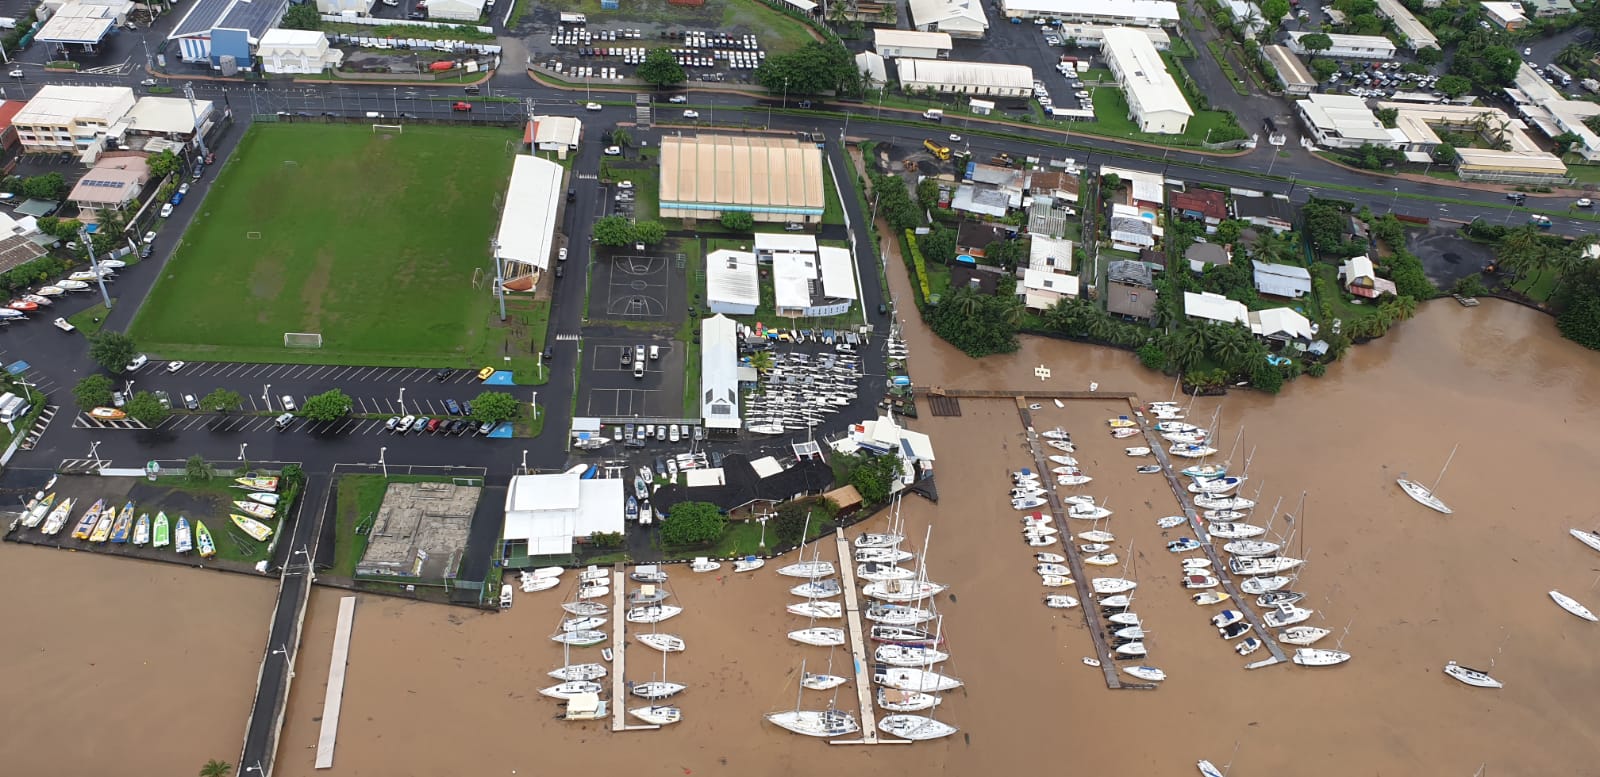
(934, 114)
(1591, 85)
(576, 19)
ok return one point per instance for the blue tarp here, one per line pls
(501, 378)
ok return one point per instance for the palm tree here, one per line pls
(966, 302)
(215, 768)
(1573, 56)
(1406, 306)
(890, 13)
(839, 12)
(1012, 313)
(762, 361)
(1520, 249)
(1270, 247)
(1184, 346)
(1229, 348)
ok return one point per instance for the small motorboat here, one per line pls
(1124, 618)
(1319, 657)
(1027, 503)
(1474, 677)
(1116, 602)
(1064, 446)
(749, 564)
(645, 594)
(1060, 602)
(256, 483)
(257, 530)
(1234, 631)
(1148, 469)
(1055, 581)
(658, 714)
(591, 592)
(51, 291)
(703, 564)
(648, 573)
(1286, 615)
(1196, 563)
(1039, 540)
(818, 589)
(1302, 635)
(141, 530)
(1073, 480)
(39, 300)
(1208, 769)
(1261, 585)
(23, 305)
(1172, 521)
(160, 533)
(533, 585)
(572, 672)
(666, 643)
(107, 414)
(1024, 474)
(102, 527)
(1132, 650)
(263, 497)
(1094, 547)
(1088, 512)
(85, 525)
(1056, 434)
(1052, 569)
(202, 537)
(1039, 519)
(70, 284)
(1247, 646)
(1121, 422)
(1199, 581)
(1137, 451)
(1049, 558)
(1571, 605)
(1148, 673)
(1183, 545)
(122, 528)
(1226, 618)
(1122, 434)
(1067, 461)
(1211, 597)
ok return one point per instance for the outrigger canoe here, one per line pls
(252, 527)
(203, 537)
(255, 509)
(162, 533)
(102, 527)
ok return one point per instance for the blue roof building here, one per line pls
(214, 29)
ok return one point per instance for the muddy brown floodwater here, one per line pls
(434, 690)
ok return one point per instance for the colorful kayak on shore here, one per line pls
(256, 529)
(36, 511)
(203, 537)
(123, 525)
(85, 525)
(161, 535)
(58, 517)
(256, 509)
(102, 527)
(141, 529)
(257, 483)
(185, 542)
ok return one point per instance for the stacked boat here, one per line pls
(801, 390)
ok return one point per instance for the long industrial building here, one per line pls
(772, 179)
(1155, 102)
(956, 77)
(1134, 13)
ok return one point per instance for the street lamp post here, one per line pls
(763, 521)
(242, 446)
(402, 400)
(199, 137)
(99, 277)
(1396, 200)
(94, 451)
(524, 461)
(383, 463)
(266, 395)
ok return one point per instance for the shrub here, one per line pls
(918, 263)
(692, 523)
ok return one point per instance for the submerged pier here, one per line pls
(858, 645)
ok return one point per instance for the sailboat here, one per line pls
(568, 672)
(666, 643)
(161, 535)
(185, 539)
(1427, 495)
(809, 569)
(658, 689)
(653, 613)
(1474, 677)
(912, 679)
(822, 682)
(585, 608)
(571, 688)
(1571, 605)
(896, 700)
(915, 727)
(1587, 538)
(813, 608)
(827, 722)
(908, 655)
(659, 714)
(1319, 657)
(58, 517)
(896, 614)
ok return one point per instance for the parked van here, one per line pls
(14, 409)
(284, 420)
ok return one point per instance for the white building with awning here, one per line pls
(551, 513)
(719, 373)
(1215, 307)
(528, 221)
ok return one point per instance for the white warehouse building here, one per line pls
(911, 43)
(1132, 13)
(1348, 46)
(951, 76)
(1155, 102)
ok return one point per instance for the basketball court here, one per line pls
(638, 288)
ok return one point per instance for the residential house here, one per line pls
(1050, 254)
(1544, 9)
(112, 183)
(1041, 289)
(1130, 230)
(1282, 280)
(8, 132)
(1284, 325)
(1155, 260)
(1060, 185)
(1202, 255)
(985, 200)
(1049, 215)
(982, 278)
(1359, 278)
(1506, 16)
(1208, 205)
(1272, 211)
(304, 52)
(1130, 290)
(1214, 307)
(973, 237)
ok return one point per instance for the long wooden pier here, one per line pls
(1158, 447)
(1086, 596)
(619, 638)
(858, 644)
(334, 698)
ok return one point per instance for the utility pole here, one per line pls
(99, 278)
(199, 137)
(499, 276)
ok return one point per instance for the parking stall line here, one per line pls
(261, 423)
(430, 406)
(463, 376)
(285, 370)
(349, 422)
(304, 422)
(393, 376)
(237, 370)
(362, 373)
(323, 372)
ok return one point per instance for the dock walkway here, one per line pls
(858, 645)
(334, 699)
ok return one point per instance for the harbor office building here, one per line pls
(546, 515)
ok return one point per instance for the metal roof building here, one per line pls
(1282, 280)
(84, 24)
(959, 77)
(1214, 307)
(1348, 46)
(1415, 33)
(213, 29)
(911, 43)
(731, 283)
(719, 373)
(1154, 101)
(528, 221)
(1136, 13)
(549, 513)
(959, 18)
(1292, 73)
(1343, 121)
(772, 179)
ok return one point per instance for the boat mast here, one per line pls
(1435, 489)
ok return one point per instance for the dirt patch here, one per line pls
(314, 289)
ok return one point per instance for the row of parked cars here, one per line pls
(456, 426)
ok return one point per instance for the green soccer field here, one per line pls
(373, 240)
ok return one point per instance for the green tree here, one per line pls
(49, 186)
(163, 164)
(814, 68)
(1152, 357)
(1228, 231)
(1316, 43)
(661, 68)
(1006, 253)
(738, 220)
(1274, 11)
(1565, 141)
(495, 406)
(1580, 322)
(112, 350)
(989, 328)
(620, 137)
(1488, 66)
(1267, 377)
(614, 231)
(197, 469)
(303, 16)
(1429, 55)
(649, 232)
(92, 392)
(692, 523)
(221, 401)
(1444, 154)
(939, 244)
(790, 524)
(927, 191)
(146, 409)
(1453, 86)
(1574, 56)
(1323, 69)
(213, 767)
(330, 405)
(1387, 116)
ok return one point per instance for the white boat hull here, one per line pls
(1472, 677)
(1423, 495)
(573, 672)
(906, 701)
(1302, 635)
(912, 679)
(815, 723)
(915, 727)
(657, 715)
(814, 609)
(666, 643)
(1571, 605)
(820, 636)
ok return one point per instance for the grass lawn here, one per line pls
(832, 208)
(372, 240)
(90, 319)
(1342, 308)
(646, 178)
(360, 496)
(1538, 286)
(695, 280)
(1111, 119)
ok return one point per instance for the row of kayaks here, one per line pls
(104, 523)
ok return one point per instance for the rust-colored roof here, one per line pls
(1207, 202)
(9, 110)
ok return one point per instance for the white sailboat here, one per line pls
(585, 608)
(1113, 585)
(808, 569)
(907, 678)
(820, 636)
(872, 572)
(1427, 496)
(1588, 538)
(658, 714)
(827, 722)
(666, 643)
(1302, 635)
(1571, 605)
(572, 672)
(1148, 673)
(658, 689)
(882, 556)
(896, 700)
(571, 688)
(1474, 677)
(1261, 585)
(1319, 657)
(902, 590)
(1060, 601)
(1286, 615)
(915, 727)
(654, 613)
(897, 614)
(814, 609)
(908, 655)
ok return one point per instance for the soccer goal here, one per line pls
(398, 129)
(302, 339)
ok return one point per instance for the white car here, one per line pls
(166, 210)
(16, 72)
(174, 366)
(288, 402)
(624, 185)
(613, 151)
(183, 188)
(691, 114)
(561, 254)
(1527, 52)
(954, 138)
(678, 99)
(149, 237)
(1584, 202)
(138, 362)
(655, 352)
(592, 107)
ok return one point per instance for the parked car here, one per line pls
(1584, 202)
(561, 254)
(434, 424)
(592, 107)
(138, 361)
(655, 352)
(793, 227)
(183, 188)
(613, 151)
(164, 399)
(405, 424)
(166, 210)
(638, 369)
(485, 427)
(419, 424)
(283, 421)
(190, 402)
(392, 424)
(441, 374)
(460, 106)
(678, 99)
(288, 402)
(624, 185)
(149, 237)
(485, 373)
(691, 114)
(175, 366)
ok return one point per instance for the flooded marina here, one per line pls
(433, 690)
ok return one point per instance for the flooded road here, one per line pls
(434, 690)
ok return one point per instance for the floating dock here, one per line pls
(335, 696)
(619, 626)
(858, 645)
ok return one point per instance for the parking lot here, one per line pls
(609, 388)
(242, 423)
(314, 372)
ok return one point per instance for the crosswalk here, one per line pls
(567, 337)
(45, 417)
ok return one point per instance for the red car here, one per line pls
(462, 107)
(433, 424)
